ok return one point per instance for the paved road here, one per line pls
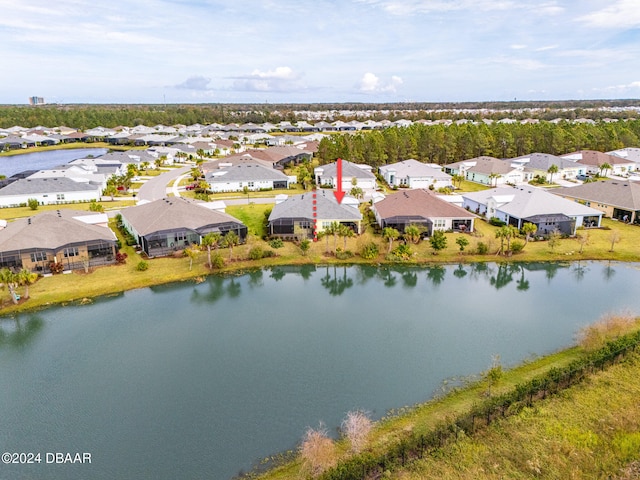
(156, 187)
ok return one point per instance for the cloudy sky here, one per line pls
(193, 51)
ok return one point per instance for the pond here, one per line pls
(201, 380)
(42, 160)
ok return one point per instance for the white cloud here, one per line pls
(622, 14)
(370, 83)
(281, 79)
(197, 82)
(410, 7)
(518, 47)
(620, 88)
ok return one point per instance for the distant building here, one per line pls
(36, 101)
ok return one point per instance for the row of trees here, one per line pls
(447, 144)
(12, 281)
(89, 116)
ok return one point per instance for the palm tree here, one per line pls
(26, 277)
(412, 233)
(9, 279)
(390, 234)
(603, 168)
(333, 229)
(345, 232)
(230, 240)
(494, 176)
(211, 240)
(528, 229)
(551, 170)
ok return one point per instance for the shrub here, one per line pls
(142, 266)
(256, 253)
(343, 255)
(217, 261)
(401, 253)
(33, 203)
(496, 222)
(369, 251)
(305, 245)
(517, 246)
(96, 207)
(268, 254)
(318, 451)
(56, 268)
(276, 243)
(121, 258)
(482, 248)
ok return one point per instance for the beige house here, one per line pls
(75, 239)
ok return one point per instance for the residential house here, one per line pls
(519, 205)
(251, 175)
(281, 157)
(422, 208)
(306, 215)
(539, 164)
(48, 191)
(618, 199)
(414, 174)
(488, 171)
(629, 153)
(170, 224)
(596, 161)
(76, 239)
(352, 175)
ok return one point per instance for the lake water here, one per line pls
(201, 380)
(42, 160)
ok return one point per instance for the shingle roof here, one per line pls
(617, 193)
(27, 186)
(173, 213)
(349, 170)
(419, 203)
(51, 230)
(592, 157)
(530, 201)
(542, 161)
(244, 172)
(413, 168)
(327, 207)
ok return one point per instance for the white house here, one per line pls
(414, 174)
(516, 206)
(488, 171)
(254, 176)
(328, 175)
(48, 191)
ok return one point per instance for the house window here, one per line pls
(71, 252)
(38, 257)
(439, 223)
(60, 196)
(326, 224)
(180, 236)
(250, 184)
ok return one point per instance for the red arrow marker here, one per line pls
(338, 192)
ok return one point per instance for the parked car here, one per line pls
(192, 186)
(582, 177)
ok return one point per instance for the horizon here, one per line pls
(285, 52)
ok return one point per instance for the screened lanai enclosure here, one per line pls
(166, 242)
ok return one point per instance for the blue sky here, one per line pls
(193, 51)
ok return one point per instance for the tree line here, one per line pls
(89, 116)
(443, 144)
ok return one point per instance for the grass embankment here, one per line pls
(114, 279)
(588, 430)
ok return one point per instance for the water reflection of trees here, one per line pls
(436, 274)
(336, 284)
(216, 288)
(18, 332)
(608, 272)
(460, 272)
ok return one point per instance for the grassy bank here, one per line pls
(587, 429)
(113, 279)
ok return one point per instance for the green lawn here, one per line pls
(252, 215)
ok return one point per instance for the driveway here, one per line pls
(156, 187)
